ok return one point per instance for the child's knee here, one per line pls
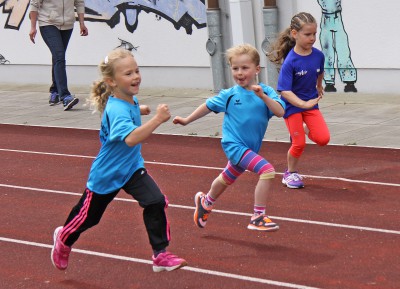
(223, 179)
(324, 141)
(297, 150)
(268, 175)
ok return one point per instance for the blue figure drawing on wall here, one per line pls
(335, 46)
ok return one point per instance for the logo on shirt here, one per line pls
(301, 73)
(237, 102)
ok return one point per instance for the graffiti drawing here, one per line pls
(16, 11)
(127, 45)
(3, 60)
(335, 46)
(181, 13)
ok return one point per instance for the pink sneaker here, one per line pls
(167, 262)
(60, 252)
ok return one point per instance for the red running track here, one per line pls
(341, 231)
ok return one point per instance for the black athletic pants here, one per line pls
(141, 186)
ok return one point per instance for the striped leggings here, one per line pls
(250, 161)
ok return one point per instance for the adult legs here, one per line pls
(57, 41)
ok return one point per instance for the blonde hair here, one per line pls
(243, 49)
(100, 90)
(284, 43)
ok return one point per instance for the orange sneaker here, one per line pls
(262, 223)
(202, 212)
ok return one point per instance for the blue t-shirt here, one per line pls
(299, 74)
(245, 120)
(116, 162)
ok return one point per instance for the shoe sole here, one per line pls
(54, 103)
(291, 187)
(197, 202)
(55, 234)
(168, 269)
(71, 104)
(266, 229)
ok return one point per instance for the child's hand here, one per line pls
(258, 90)
(312, 102)
(179, 120)
(163, 113)
(144, 109)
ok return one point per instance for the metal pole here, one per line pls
(214, 45)
(270, 15)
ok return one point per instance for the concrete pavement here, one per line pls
(353, 118)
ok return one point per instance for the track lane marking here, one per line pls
(327, 224)
(147, 262)
(210, 168)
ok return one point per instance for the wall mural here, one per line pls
(181, 13)
(335, 46)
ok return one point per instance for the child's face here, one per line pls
(306, 36)
(127, 78)
(244, 70)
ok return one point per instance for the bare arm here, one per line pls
(33, 15)
(319, 85)
(294, 100)
(84, 30)
(199, 112)
(273, 105)
(144, 109)
(143, 132)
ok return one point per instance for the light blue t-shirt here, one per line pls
(299, 74)
(116, 162)
(245, 120)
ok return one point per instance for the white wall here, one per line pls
(172, 58)
(164, 53)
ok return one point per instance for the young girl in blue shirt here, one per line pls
(300, 84)
(119, 164)
(247, 106)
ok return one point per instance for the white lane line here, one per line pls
(142, 261)
(210, 168)
(344, 226)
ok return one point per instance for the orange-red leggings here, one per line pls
(319, 132)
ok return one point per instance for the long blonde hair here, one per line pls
(285, 42)
(100, 90)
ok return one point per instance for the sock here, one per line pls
(259, 210)
(209, 201)
(155, 252)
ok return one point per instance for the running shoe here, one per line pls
(54, 99)
(262, 223)
(69, 101)
(167, 262)
(202, 211)
(60, 252)
(292, 180)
